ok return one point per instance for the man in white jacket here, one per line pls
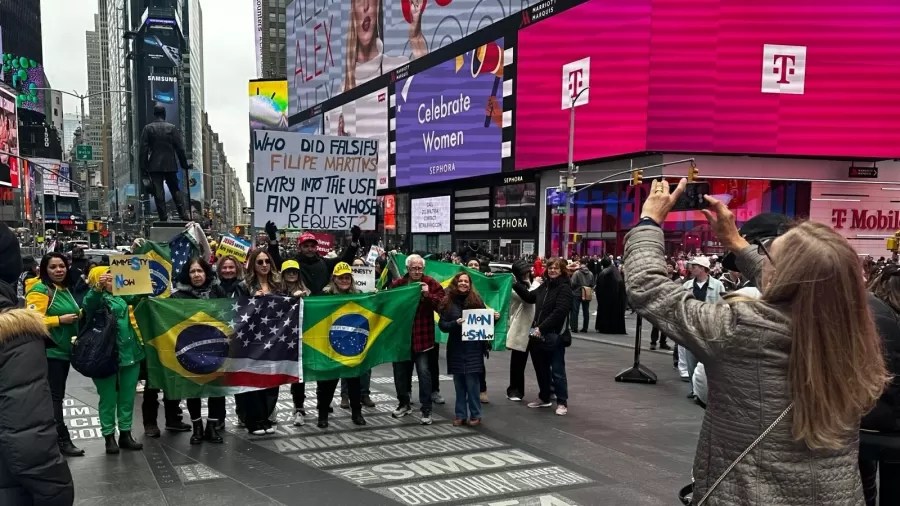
(705, 288)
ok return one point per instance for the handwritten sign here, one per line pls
(478, 325)
(314, 182)
(374, 253)
(234, 246)
(364, 278)
(131, 274)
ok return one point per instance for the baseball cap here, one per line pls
(701, 261)
(290, 264)
(760, 226)
(342, 268)
(307, 236)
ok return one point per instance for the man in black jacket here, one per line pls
(32, 471)
(161, 147)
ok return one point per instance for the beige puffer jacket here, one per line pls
(745, 347)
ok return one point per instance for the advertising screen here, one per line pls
(431, 215)
(268, 104)
(9, 140)
(450, 118)
(163, 90)
(366, 117)
(336, 45)
(688, 77)
(311, 126)
(161, 43)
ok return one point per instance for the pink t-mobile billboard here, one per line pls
(723, 76)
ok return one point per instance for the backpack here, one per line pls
(95, 352)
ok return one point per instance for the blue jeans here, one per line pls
(550, 369)
(468, 387)
(365, 381)
(403, 380)
(578, 305)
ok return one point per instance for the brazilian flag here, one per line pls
(346, 335)
(495, 291)
(160, 266)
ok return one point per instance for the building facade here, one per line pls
(270, 38)
(193, 82)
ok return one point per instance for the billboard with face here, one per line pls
(366, 117)
(9, 140)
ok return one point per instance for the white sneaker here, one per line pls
(299, 421)
(401, 411)
(514, 398)
(140, 386)
(540, 404)
(426, 419)
(562, 410)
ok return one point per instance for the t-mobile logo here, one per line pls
(576, 78)
(783, 69)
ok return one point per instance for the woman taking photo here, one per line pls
(341, 284)
(521, 315)
(465, 359)
(52, 298)
(117, 391)
(197, 281)
(790, 374)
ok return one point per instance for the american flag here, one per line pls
(264, 349)
(181, 249)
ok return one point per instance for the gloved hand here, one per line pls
(487, 353)
(271, 230)
(355, 232)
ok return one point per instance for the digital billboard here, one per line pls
(335, 45)
(450, 118)
(161, 43)
(665, 75)
(26, 76)
(310, 126)
(268, 104)
(9, 140)
(366, 117)
(163, 90)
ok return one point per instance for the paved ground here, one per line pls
(620, 444)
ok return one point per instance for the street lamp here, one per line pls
(570, 171)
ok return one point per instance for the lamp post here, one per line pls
(570, 172)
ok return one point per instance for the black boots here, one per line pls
(357, 417)
(68, 449)
(111, 447)
(212, 432)
(197, 436)
(126, 442)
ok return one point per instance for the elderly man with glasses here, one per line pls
(422, 340)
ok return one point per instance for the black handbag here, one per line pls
(95, 353)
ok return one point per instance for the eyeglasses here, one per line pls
(763, 245)
(263, 262)
(416, 269)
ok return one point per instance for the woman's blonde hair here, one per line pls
(836, 369)
(350, 48)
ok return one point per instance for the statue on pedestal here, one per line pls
(162, 149)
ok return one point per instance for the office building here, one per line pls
(270, 37)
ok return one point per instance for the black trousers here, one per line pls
(655, 335)
(325, 394)
(57, 374)
(434, 361)
(517, 362)
(879, 470)
(298, 392)
(257, 406)
(150, 408)
(216, 407)
(159, 196)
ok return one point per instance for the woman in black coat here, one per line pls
(32, 471)
(611, 302)
(198, 281)
(553, 300)
(465, 359)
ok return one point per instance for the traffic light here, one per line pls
(637, 177)
(693, 172)
(576, 237)
(893, 243)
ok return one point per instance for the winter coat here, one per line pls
(423, 324)
(208, 291)
(32, 471)
(552, 301)
(62, 303)
(745, 346)
(463, 357)
(232, 288)
(316, 271)
(581, 277)
(521, 315)
(885, 416)
(131, 349)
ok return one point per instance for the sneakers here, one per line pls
(562, 410)
(437, 398)
(484, 398)
(514, 398)
(474, 422)
(141, 385)
(299, 421)
(401, 411)
(652, 346)
(426, 419)
(345, 402)
(540, 404)
(367, 401)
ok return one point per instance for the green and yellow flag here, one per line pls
(346, 335)
(160, 266)
(494, 290)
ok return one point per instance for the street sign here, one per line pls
(84, 152)
(247, 210)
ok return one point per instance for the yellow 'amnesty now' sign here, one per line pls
(131, 274)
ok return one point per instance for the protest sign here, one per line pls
(234, 246)
(374, 252)
(478, 325)
(131, 274)
(324, 243)
(314, 182)
(364, 278)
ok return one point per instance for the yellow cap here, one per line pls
(289, 264)
(342, 268)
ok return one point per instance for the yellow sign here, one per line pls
(234, 246)
(131, 274)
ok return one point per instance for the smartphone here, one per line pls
(692, 198)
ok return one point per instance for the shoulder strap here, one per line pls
(745, 452)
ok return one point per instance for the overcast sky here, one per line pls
(228, 62)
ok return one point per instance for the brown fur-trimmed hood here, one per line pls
(18, 322)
